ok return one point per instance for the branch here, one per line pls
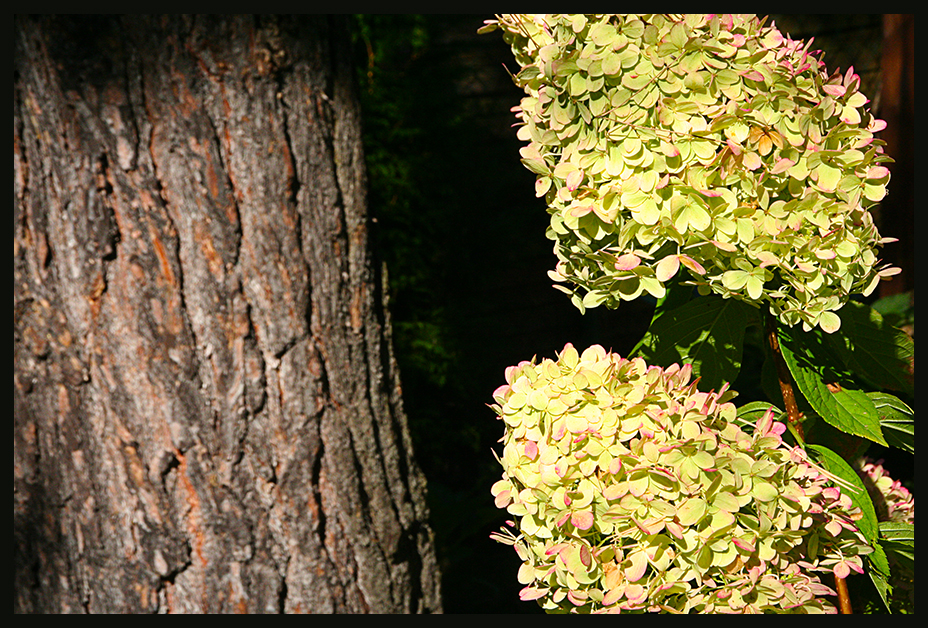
(794, 417)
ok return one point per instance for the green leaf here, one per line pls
(878, 559)
(846, 409)
(879, 575)
(677, 294)
(896, 307)
(752, 412)
(837, 466)
(707, 332)
(898, 532)
(899, 542)
(897, 421)
(879, 354)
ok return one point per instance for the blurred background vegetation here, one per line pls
(461, 234)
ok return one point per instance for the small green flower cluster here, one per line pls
(711, 142)
(899, 506)
(633, 491)
(900, 503)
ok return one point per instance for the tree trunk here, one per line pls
(207, 415)
(897, 107)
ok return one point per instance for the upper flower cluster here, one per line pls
(711, 142)
(633, 490)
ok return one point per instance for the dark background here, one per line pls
(462, 236)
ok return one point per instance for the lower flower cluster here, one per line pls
(632, 491)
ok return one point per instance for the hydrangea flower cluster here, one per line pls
(900, 503)
(633, 491)
(708, 142)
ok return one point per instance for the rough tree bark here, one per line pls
(207, 415)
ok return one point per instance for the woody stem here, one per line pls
(793, 416)
(786, 386)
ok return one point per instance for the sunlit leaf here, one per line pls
(847, 409)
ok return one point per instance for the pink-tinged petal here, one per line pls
(615, 491)
(834, 527)
(574, 179)
(782, 165)
(615, 466)
(674, 528)
(500, 393)
(531, 450)
(834, 90)
(531, 593)
(850, 115)
(502, 500)
(725, 246)
(876, 125)
(669, 150)
(842, 570)
(733, 146)
(878, 172)
(796, 455)
(765, 422)
(639, 564)
(586, 558)
(627, 261)
(820, 589)
(850, 75)
(582, 520)
(754, 75)
(667, 267)
(580, 211)
(635, 593)
(745, 545)
(692, 264)
(614, 595)
(710, 193)
(751, 161)
(889, 272)
(650, 526)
